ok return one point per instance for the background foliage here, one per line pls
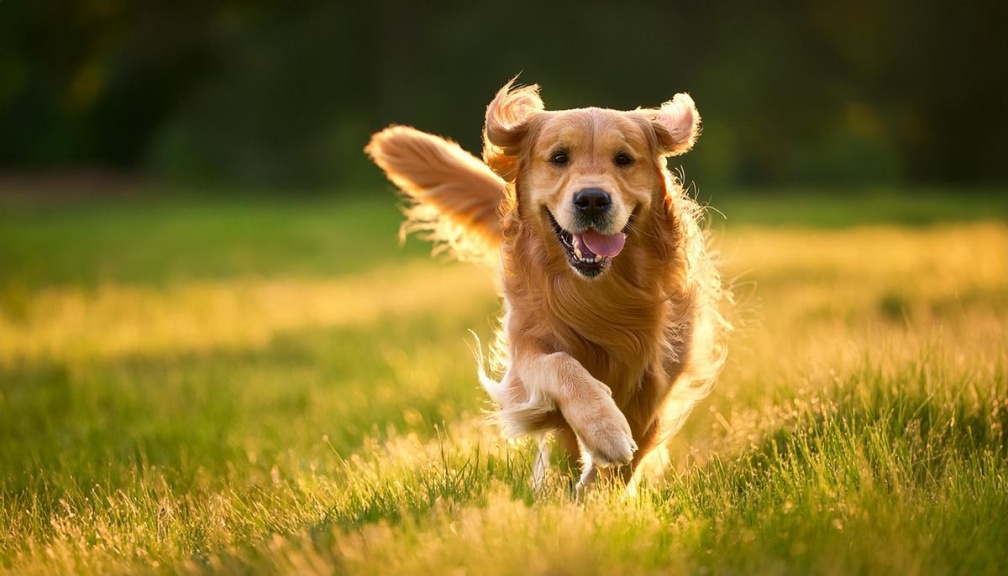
(214, 378)
(285, 93)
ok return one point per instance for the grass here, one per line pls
(258, 384)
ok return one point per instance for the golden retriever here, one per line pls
(611, 331)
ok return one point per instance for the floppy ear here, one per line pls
(507, 120)
(676, 124)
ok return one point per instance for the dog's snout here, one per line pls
(592, 201)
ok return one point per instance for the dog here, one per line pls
(612, 329)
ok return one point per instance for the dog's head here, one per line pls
(586, 174)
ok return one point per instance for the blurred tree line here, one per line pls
(271, 92)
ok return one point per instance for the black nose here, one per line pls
(592, 201)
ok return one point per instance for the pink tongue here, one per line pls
(604, 245)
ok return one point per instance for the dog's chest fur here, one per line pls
(625, 328)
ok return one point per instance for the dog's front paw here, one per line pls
(608, 439)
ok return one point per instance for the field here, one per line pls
(258, 384)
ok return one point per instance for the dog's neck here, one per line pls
(617, 315)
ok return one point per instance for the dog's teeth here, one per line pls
(577, 253)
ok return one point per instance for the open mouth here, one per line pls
(589, 251)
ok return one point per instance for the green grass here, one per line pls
(260, 384)
(839, 208)
(155, 238)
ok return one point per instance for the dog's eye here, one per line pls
(559, 158)
(623, 159)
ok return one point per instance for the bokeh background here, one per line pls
(215, 358)
(264, 93)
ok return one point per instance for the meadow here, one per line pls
(269, 384)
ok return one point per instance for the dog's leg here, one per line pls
(588, 477)
(541, 464)
(568, 450)
(586, 405)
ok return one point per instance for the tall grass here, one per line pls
(264, 386)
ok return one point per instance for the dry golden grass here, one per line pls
(115, 320)
(332, 425)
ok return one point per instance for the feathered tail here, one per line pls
(454, 198)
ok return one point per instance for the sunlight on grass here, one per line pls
(116, 320)
(332, 424)
(832, 273)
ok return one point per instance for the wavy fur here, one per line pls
(453, 199)
(611, 364)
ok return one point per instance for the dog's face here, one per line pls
(585, 175)
(588, 172)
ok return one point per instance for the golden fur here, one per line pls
(610, 354)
